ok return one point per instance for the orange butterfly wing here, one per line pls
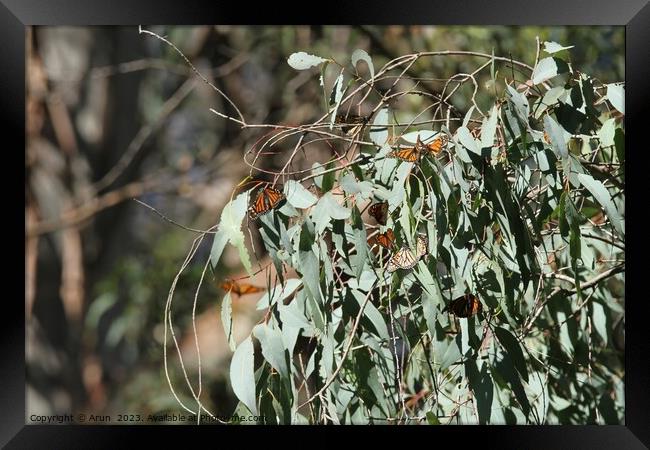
(438, 144)
(240, 288)
(402, 259)
(465, 306)
(410, 154)
(267, 199)
(386, 239)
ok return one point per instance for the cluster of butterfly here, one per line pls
(404, 258)
(464, 306)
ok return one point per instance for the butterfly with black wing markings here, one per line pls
(464, 306)
(379, 211)
(386, 239)
(405, 258)
(412, 154)
(267, 199)
(351, 123)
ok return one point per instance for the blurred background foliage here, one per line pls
(113, 115)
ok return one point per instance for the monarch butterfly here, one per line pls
(380, 212)
(267, 199)
(421, 245)
(386, 239)
(240, 288)
(409, 154)
(412, 154)
(465, 306)
(404, 257)
(352, 123)
(438, 144)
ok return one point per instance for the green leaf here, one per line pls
(574, 253)
(361, 55)
(562, 217)
(98, 307)
(226, 320)
(379, 134)
(242, 375)
(272, 347)
(218, 244)
(327, 209)
(278, 293)
(481, 384)
(292, 315)
(336, 96)
(302, 60)
(351, 186)
(432, 419)
(544, 70)
(425, 136)
(510, 343)
(558, 137)
(606, 133)
(447, 352)
(553, 47)
(373, 314)
(616, 96)
(550, 98)
(619, 140)
(468, 141)
(600, 193)
(520, 103)
(229, 230)
(489, 128)
(298, 196)
(309, 269)
(600, 320)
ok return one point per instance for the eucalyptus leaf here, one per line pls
(279, 293)
(272, 347)
(545, 69)
(379, 129)
(298, 196)
(424, 135)
(468, 141)
(512, 346)
(226, 320)
(553, 47)
(616, 96)
(302, 60)
(336, 97)
(327, 209)
(242, 376)
(229, 230)
(362, 55)
(520, 103)
(489, 128)
(558, 137)
(600, 193)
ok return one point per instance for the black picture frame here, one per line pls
(633, 14)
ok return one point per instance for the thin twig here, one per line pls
(194, 230)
